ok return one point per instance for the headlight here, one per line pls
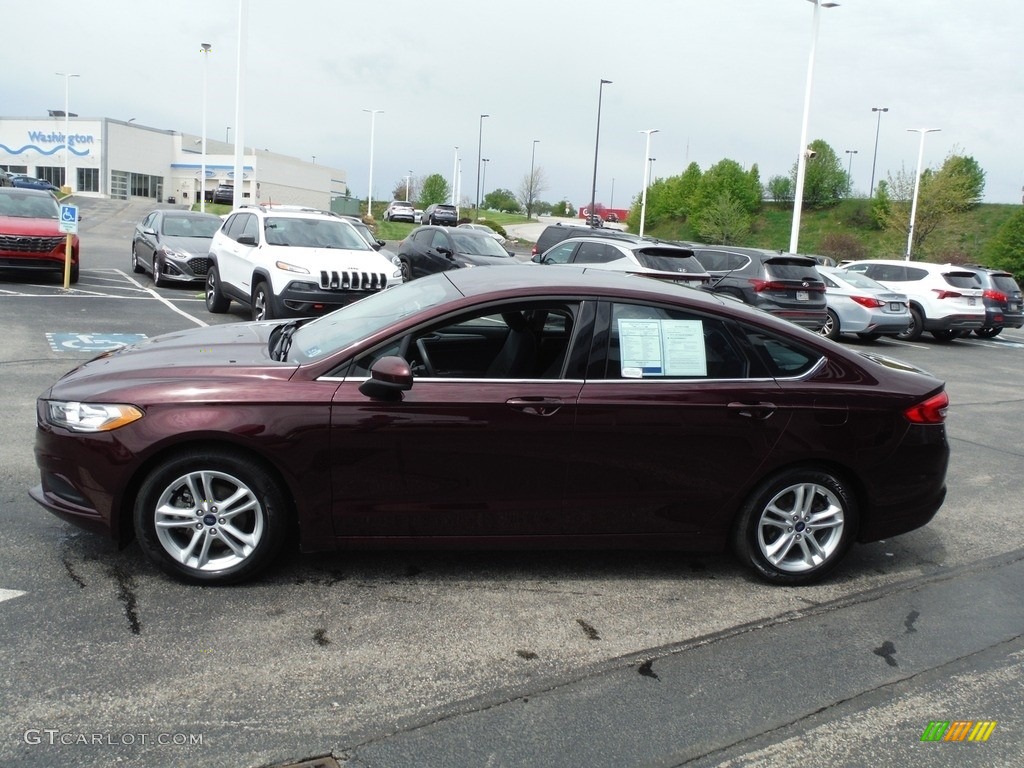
(90, 417)
(396, 261)
(170, 253)
(286, 267)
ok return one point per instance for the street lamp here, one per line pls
(529, 197)
(878, 124)
(647, 178)
(369, 191)
(917, 185)
(455, 173)
(408, 181)
(597, 143)
(849, 165)
(801, 165)
(204, 48)
(67, 125)
(227, 135)
(650, 162)
(483, 183)
(479, 150)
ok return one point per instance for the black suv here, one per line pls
(556, 233)
(1003, 301)
(784, 284)
(440, 213)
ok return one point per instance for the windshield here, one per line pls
(313, 233)
(345, 326)
(28, 205)
(191, 226)
(477, 245)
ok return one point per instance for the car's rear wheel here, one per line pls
(211, 516)
(216, 301)
(916, 327)
(263, 302)
(796, 526)
(830, 330)
(987, 333)
(137, 267)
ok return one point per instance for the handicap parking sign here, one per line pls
(69, 219)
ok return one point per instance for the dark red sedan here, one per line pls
(497, 407)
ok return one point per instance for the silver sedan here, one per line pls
(858, 304)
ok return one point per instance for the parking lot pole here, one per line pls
(67, 261)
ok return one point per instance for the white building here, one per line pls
(122, 160)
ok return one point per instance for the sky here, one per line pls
(716, 78)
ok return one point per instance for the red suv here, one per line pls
(30, 236)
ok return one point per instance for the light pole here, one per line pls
(67, 125)
(917, 185)
(479, 150)
(408, 181)
(455, 173)
(801, 165)
(227, 135)
(849, 166)
(369, 190)
(204, 48)
(647, 178)
(597, 143)
(483, 182)
(611, 198)
(878, 124)
(650, 161)
(529, 197)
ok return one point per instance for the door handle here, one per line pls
(535, 406)
(760, 411)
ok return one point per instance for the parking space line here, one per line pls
(170, 305)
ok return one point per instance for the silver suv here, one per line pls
(944, 300)
(646, 257)
(292, 263)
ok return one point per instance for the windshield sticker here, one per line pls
(662, 348)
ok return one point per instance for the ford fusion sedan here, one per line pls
(497, 407)
(174, 246)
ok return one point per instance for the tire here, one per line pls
(869, 336)
(137, 267)
(987, 333)
(202, 540)
(945, 335)
(796, 526)
(406, 271)
(216, 301)
(262, 302)
(73, 277)
(914, 330)
(158, 281)
(830, 330)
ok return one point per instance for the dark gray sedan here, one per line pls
(174, 246)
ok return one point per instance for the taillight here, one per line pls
(999, 296)
(931, 411)
(941, 294)
(868, 301)
(775, 285)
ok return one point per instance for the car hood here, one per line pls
(200, 358)
(316, 259)
(19, 225)
(197, 246)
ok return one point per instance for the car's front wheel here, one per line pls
(137, 267)
(158, 279)
(262, 302)
(216, 301)
(211, 516)
(796, 527)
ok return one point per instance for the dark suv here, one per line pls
(1003, 301)
(556, 233)
(440, 213)
(225, 193)
(784, 284)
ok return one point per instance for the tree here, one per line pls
(563, 208)
(1006, 249)
(780, 189)
(667, 198)
(434, 190)
(530, 187)
(722, 220)
(405, 189)
(501, 200)
(825, 180)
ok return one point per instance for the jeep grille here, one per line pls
(352, 280)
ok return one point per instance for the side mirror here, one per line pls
(446, 252)
(538, 258)
(247, 240)
(380, 244)
(151, 232)
(389, 378)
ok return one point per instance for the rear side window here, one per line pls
(782, 358)
(1005, 283)
(721, 261)
(596, 253)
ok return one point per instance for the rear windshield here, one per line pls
(1005, 283)
(668, 260)
(962, 279)
(791, 269)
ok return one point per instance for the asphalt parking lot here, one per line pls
(401, 658)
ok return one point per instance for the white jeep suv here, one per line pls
(944, 299)
(292, 263)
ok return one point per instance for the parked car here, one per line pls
(292, 263)
(400, 210)
(650, 259)
(1002, 299)
(556, 233)
(428, 249)
(784, 284)
(418, 218)
(370, 238)
(857, 304)
(224, 194)
(173, 245)
(30, 182)
(594, 220)
(612, 217)
(944, 300)
(30, 236)
(402, 418)
(498, 238)
(439, 213)
(6, 178)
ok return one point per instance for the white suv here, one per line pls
(944, 299)
(292, 263)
